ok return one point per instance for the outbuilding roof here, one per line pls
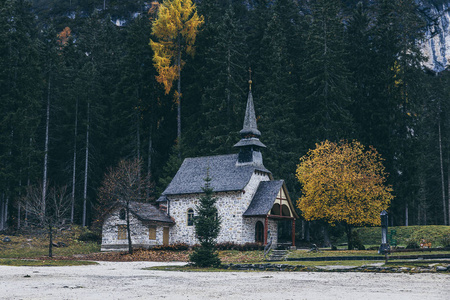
(264, 198)
(224, 173)
(149, 212)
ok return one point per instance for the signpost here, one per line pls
(384, 247)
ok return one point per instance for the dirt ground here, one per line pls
(127, 280)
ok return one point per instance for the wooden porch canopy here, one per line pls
(272, 201)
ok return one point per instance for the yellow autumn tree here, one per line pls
(175, 29)
(343, 183)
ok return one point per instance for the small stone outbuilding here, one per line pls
(149, 227)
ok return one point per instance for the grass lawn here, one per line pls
(431, 233)
(189, 268)
(32, 249)
(306, 253)
(43, 263)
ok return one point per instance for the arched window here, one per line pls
(285, 210)
(190, 217)
(275, 209)
(259, 232)
(122, 214)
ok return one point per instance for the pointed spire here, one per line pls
(250, 128)
(250, 145)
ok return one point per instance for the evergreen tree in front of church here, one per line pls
(207, 228)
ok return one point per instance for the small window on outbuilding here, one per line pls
(190, 217)
(121, 232)
(152, 232)
(122, 214)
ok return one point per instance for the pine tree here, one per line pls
(207, 228)
(21, 87)
(220, 80)
(360, 49)
(397, 31)
(326, 81)
(277, 95)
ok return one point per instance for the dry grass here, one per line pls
(35, 245)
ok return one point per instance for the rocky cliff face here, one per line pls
(437, 43)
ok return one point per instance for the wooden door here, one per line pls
(165, 236)
(259, 232)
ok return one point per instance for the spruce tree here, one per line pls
(397, 31)
(278, 93)
(222, 76)
(207, 228)
(326, 108)
(21, 91)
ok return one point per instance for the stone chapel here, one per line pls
(250, 202)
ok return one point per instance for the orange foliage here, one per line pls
(343, 182)
(63, 36)
(175, 30)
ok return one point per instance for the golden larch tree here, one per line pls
(343, 183)
(175, 30)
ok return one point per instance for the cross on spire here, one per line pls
(250, 76)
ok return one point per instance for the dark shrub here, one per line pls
(445, 241)
(412, 244)
(238, 247)
(205, 257)
(356, 241)
(90, 236)
(174, 247)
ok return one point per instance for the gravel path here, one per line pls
(127, 280)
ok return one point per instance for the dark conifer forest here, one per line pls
(78, 94)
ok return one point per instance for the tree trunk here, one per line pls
(47, 125)
(138, 131)
(307, 232)
(406, 215)
(28, 184)
(228, 88)
(130, 245)
(19, 206)
(72, 212)
(5, 217)
(50, 244)
(2, 221)
(179, 97)
(326, 236)
(348, 229)
(149, 162)
(86, 167)
(442, 174)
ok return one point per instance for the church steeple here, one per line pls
(250, 145)
(250, 127)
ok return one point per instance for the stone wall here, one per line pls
(231, 206)
(139, 233)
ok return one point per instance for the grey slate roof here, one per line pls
(224, 174)
(264, 198)
(148, 212)
(250, 142)
(250, 118)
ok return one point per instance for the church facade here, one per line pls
(250, 202)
